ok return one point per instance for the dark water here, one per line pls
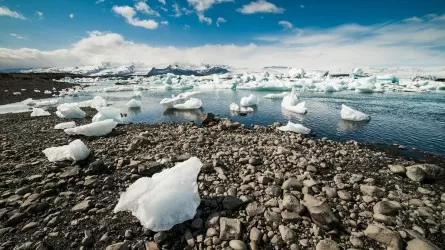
(415, 120)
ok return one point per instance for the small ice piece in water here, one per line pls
(295, 127)
(93, 129)
(246, 109)
(70, 110)
(350, 114)
(75, 151)
(250, 100)
(276, 96)
(300, 108)
(16, 93)
(106, 113)
(39, 112)
(133, 104)
(29, 102)
(291, 99)
(192, 103)
(166, 199)
(234, 107)
(65, 125)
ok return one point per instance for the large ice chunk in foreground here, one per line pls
(106, 113)
(65, 125)
(93, 129)
(350, 114)
(39, 112)
(133, 104)
(291, 99)
(166, 199)
(295, 127)
(276, 96)
(70, 110)
(192, 103)
(75, 151)
(250, 100)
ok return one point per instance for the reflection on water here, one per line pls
(350, 126)
(195, 115)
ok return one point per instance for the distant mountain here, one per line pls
(184, 69)
(12, 70)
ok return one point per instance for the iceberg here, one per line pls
(47, 103)
(75, 151)
(236, 108)
(70, 110)
(300, 108)
(137, 94)
(192, 103)
(276, 96)
(169, 103)
(106, 113)
(39, 112)
(133, 104)
(250, 100)
(93, 129)
(65, 125)
(290, 101)
(95, 103)
(295, 127)
(350, 114)
(166, 199)
(296, 73)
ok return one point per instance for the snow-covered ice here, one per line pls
(133, 104)
(276, 96)
(250, 100)
(350, 114)
(192, 103)
(39, 112)
(93, 129)
(70, 110)
(65, 125)
(295, 127)
(74, 151)
(106, 113)
(166, 199)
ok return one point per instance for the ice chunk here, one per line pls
(290, 100)
(350, 114)
(70, 110)
(93, 129)
(137, 94)
(166, 199)
(276, 96)
(169, 103)
(47, 103)
(65, 125)
(16, 93)
(300, 108)
(296, 73)
(29, 102)
(106, 113)
(295, 127)
(98, 102)
(234, 107)
(192, 103)
(39, 112)
(47, 92)
(75, 151)
(133, 104)
(250, 100)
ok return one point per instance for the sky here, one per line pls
(320, 34)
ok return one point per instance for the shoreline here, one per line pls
(243, 178)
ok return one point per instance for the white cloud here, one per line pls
(220, 20)
(17, 36)
(144, 8)
(4, 11)
(204, 19)
(397, 44)
(162, 1)
(286, 25)
(129, 14)
(200, 6)
(164, 22)
(71, 15)
(180, 11)
(100, 1)
(260, 6)
(413, 19)
(440, 18)
(39, 15)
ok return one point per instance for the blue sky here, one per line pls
(53, 29)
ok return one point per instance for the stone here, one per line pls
(292, 184)
(255, 234)
(23, 190)
(118, 246)
(321, 213)
(442, 198)
(160, 237)
(255, 208)
(372, 191)
(356, 241)
(197, 223)
(151, 246)
(254, 161)
(273, 191)
(415, 173)
(309, 183)
(82, 206)
(128, 234)
(213, 219)
(397, 169)
(432, 172)
(211, 232)
(30, 225)
(237, 245)
(385, 207)
(230, 229)
(97, 167)
(344, 195)
(70, 172)
(188, 236)
(287, 234)
(417, 244)
(231, 202)
(384, 235)
(292, 204)
(327, 244)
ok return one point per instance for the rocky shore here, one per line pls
(260, 189)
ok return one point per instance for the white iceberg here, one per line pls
(250, 100)
(350, 114)
(296, 73)
(133, 104)
(70, 110)
(166, 199)
(276, 96)
(192, 103)
(39, 112)
(93, 129)
(290, 103)
(295, 127)
(236, 108)
(75, 151)
(65, 125)
(106, 113)
(300, 108)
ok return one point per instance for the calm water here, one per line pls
(410, 119)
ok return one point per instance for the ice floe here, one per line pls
(99, 128)
(106, 113)
(65, 125)
(250, 100)
(74, 151)
(295, 127)
(44, 103)
(236, 108)
(192, 103)
(276, 96)
(133, 104)
(39, 112)
(350, 114)
(70, 110)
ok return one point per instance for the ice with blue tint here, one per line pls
(93, 129)
(351, 114)
(295, 127)
(74, 151)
